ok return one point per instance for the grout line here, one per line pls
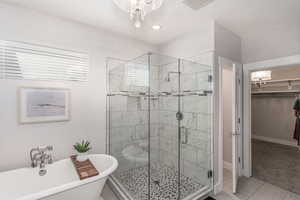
(233, 196)
(258, 188)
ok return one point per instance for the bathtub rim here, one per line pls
(72, 185)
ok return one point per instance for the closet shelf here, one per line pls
(285, 92)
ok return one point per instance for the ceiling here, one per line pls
(243, 17)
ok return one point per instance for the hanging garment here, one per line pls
(297, 105)
(297, 130)
(297, 124)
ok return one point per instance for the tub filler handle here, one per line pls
(41, 156)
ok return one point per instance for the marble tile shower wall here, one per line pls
(129, 118)
(195, 155)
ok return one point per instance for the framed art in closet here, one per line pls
(39, 105)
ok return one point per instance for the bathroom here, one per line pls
(173, 82)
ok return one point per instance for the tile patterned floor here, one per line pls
(108, 194)
(254, 189)
(163, 183)
(227, 185)
(277, 164)
(276, 170)
(248, 189)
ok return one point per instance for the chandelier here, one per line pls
(138, 9)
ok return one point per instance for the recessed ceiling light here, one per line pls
(156, 27)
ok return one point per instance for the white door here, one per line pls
(236, 124)
(236, 100)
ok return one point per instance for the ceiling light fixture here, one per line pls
(156, 27)
(138, 9)
(260, 77)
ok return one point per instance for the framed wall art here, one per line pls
(39, 105)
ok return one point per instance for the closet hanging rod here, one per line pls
(279, 81)
(276, 92)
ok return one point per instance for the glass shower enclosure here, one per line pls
(159, 127)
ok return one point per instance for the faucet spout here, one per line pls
(41, 156)
(32, 155)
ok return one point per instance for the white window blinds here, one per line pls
(34, 62)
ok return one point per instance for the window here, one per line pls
(34, 62)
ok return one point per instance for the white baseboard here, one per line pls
(218, 188)
(227, 165)
(276, 141)
(246, 174)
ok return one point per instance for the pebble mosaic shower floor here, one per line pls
(163, 183)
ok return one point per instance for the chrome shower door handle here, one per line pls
(184, 133)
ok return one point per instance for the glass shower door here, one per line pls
(128, 126)
(180, 103)
(160, 127)
(164, 151)
(195, 106)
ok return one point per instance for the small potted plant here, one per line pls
(82, 149)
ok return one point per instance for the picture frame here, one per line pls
(41, 104)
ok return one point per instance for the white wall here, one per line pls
(191, 45)
(269, 44)
(273, 119)
(227, 113)
(227, 44)
(88, 99)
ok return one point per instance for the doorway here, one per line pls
(251, 132)
(230, 126)
(275, 152)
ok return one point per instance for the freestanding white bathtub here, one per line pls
(60, 183)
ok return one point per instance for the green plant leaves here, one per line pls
(82, 147)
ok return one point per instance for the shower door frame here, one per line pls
(178, 115)
(178, 119)
(207, 188)
(119, 190)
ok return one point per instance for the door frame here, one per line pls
(248, 68)
(221, 123)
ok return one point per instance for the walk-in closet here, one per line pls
(275, 126)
